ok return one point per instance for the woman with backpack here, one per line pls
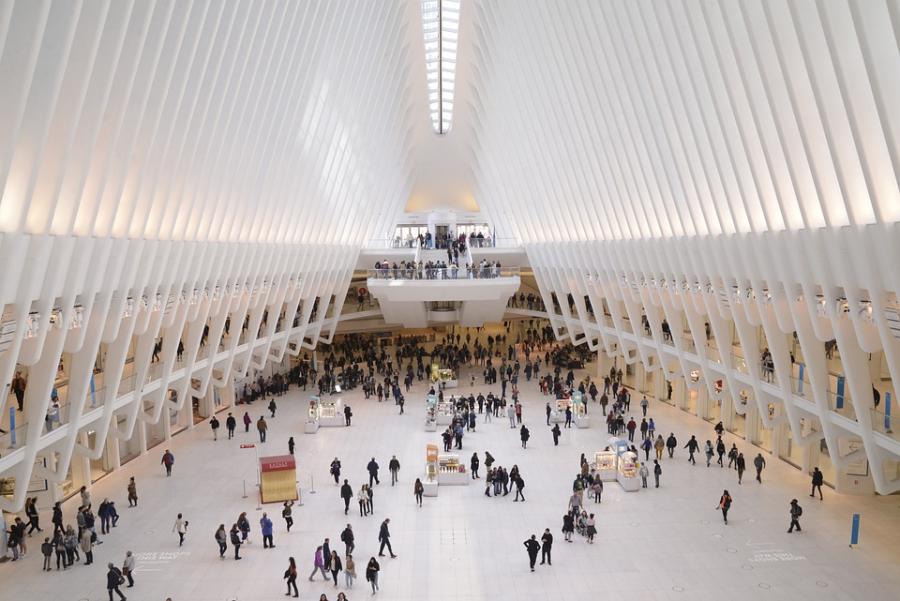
(290, 575)
(725, 505)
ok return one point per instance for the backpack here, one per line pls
(799, 511)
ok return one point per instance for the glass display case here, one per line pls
(431, 472)
(628, 472)
(331, 411)
(312, 416)
(444, 412)
(451, 471)
(605, 464)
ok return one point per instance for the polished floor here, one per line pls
(668, 543)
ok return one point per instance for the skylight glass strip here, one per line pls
(440, 26)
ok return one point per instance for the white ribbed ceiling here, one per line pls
(262, 120)
(645, 118)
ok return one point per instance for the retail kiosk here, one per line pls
(628, 472)
(278, 479)
(444, 412)
(605, 462)
(430, 413)
(430, 483)
(443, 377)
(331, 412)
(558, 415)
(580, 418)
(451, 472)
(312, 416)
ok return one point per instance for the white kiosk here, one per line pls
(312, 416)
(331, 412)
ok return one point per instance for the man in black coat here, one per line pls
(346, 495)
(546, 546)
(532, 546)
(372, 467)
(113, 580)
(384, 536)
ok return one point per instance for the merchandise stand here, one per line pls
(451, 472)
(430, 482)
(628, 472)
(606, 465)
(312, 416)
(278, 479)
(331, 412)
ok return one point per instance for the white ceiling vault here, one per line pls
(264, 121)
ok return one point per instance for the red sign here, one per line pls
(248, 446)
(277, 463)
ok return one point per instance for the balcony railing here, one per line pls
(448, 273)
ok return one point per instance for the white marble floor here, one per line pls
(668, 543)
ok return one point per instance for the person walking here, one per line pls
(346, 495)
(568, 527)
(247, 421)
(524, 435)
(657, 471)
(335, 470)
(659, 446)
(128, 568)
(318, 564)
(113, 580)
(394, 468)
(287, 514)
(671, 443)
(817, 479)
(548, 411)
(646, 444)
(349, 571)
(418, 491)
(290, 574)
(168, 460)
(222, 540)
(348, 539)
(348, 415)
(214, 424)
(244, 526)
(235, 541)
(740, 465)
(262, 427)
(532, 547)
(291, 445)
(272, 407)
(556, 434)
(520, 484)
(372, 468)
(132, 493)
(87, 546)
(692, 446)
(180, 526)
(230, 425)
(265, 526)
(708, 449)
(724, 505)
(644, 404)
(384, 536)
(796, 512)
(34, 518)
(546, 547)
(644, 473)
(363, 498)
(372, 569)
(474, 463)
(759, 463)
(336, 567)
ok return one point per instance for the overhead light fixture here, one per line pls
(440, 28)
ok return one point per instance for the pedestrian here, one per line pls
(532, 547)
(590, 528)
(363, 498)
(644, 473)
(394, 468)
(349, 540)
(230, 425)
(214, 424)
(659, 446)
(556, 434)
(291, 445)
(546, 547)
(87, 546)
(646, 444)
(132, 493)
(244, 526)
(262, 427)
(335, 470)
(180, 526)
(168, 460)
(671, 443)
(524, 435)
(272, 407)
(336, 567)
(113, 580)
(520, 484)
(657, 471)
(548, 411)
(568, 527)
(817, 480)
(725, 505)
(644, 404)
(372, 468)
(740, 464)
(287, 512)
(222, 540)
(597, 489)
(290, 574)
(692, 446)
(418, 491)
(473, 465)
(128, 568)
(349, 572)
(759, 463)
(568, 417)
(47, 552)
(346, 495)
(247, 421)
(709, 452)
(34, 518)
(384, 536)
(235, 541)
(318, 564)
(265, 526)
(372, 570)
(796, 512)
(348, 413)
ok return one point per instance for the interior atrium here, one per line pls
(253, 248)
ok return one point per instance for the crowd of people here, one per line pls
(436, 270)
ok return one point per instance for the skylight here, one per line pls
(440, 23)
